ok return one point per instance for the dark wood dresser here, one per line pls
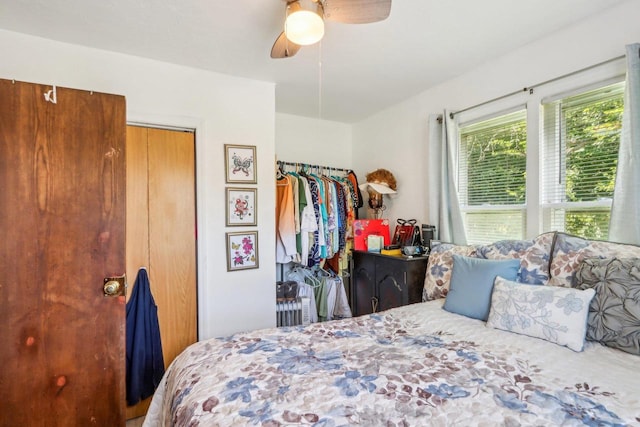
(380, 282)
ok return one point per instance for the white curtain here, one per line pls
(624, 226)
(444, 209)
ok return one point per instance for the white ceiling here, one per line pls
(365, 68)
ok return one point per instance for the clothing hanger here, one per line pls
(320, 271)
(279, 170)
(301, 273)
(294, 172)
(281, 178)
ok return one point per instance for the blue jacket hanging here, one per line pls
(145, 364)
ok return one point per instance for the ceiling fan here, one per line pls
(305, 26)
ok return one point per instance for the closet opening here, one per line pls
(161, 231)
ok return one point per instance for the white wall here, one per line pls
(396, 138)
(223, 110)
(313, 141)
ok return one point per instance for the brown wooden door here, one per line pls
(161, 227)
(62, 212)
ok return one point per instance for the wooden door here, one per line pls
(62, 212)
(161, 231)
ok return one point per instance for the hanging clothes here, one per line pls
(342, 308)
(331, 299)
(357, 195)
(308, 224)
(306, 291)
(326, 291)
(317, 243)
(285, 221)
(145, 363)
(320, 209)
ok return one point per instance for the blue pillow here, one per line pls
(472, 283)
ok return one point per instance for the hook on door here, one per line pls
(51, 96)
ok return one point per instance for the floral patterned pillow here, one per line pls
(533, 255)
(557, 315)
(439, 266)
(569, 251)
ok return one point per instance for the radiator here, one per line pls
(292, 312)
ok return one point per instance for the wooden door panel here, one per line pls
(62, 222)
(172, 229)
(364, 284)
(161, 232)
(137, 233)
(392, 289)
(416, 271)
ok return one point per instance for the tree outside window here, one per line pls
(582, 138)
(492, 177)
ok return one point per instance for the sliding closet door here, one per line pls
(172, 236)
(62, 208)
(161, 231)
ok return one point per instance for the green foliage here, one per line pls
(494, 152)
(497, 163)
(588, 223)
(592, 142)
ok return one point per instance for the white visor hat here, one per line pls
(380, 187)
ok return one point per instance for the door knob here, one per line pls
(114, 286)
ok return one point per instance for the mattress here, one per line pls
(413, 365)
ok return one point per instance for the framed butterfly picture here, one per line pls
(240, 164)
(242, 250)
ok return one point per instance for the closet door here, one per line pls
(161, 231)
(62, 215)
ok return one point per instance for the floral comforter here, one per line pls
(410, 366)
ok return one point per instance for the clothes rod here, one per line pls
(531, 88)
(298, 164)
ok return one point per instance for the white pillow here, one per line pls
(557, 315)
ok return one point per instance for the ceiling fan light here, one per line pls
(304, 27)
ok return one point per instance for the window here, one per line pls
(581, 136)
(492, 177)
(547, 162)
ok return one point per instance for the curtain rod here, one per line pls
(297, 164)
(530, 88)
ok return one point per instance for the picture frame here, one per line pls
(241, 206)
(242, 250)
(240, 164)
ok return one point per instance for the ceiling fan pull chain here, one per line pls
(320, 80)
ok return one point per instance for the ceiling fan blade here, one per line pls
(356, 11)
(283, 47)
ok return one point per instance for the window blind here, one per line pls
(581, 136)
(492, 177)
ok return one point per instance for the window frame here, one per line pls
(533, 99)
(462, 178)
(550, 133)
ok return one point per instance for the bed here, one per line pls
(408, 366)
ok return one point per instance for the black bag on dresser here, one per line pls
(407, 233)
